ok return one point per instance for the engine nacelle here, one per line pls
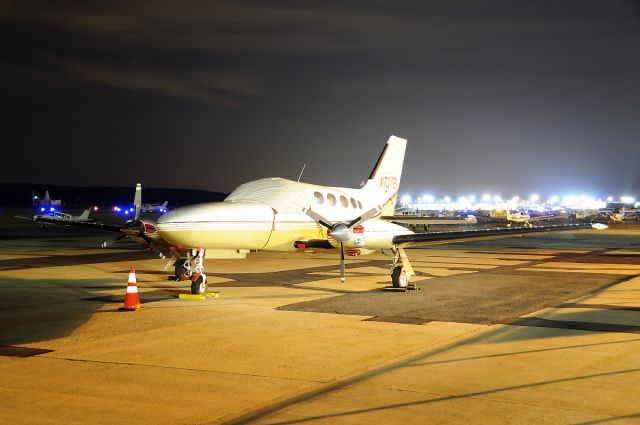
(374, 235)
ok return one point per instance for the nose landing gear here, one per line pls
(192, 268)
(182, 269)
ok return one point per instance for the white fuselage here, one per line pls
(268, 214)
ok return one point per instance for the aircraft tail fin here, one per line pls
(164, 204)
(385, 176)
(137, 201)
(84, 215)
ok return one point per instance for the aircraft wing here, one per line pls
(542, 217)
(87, 224)
(425, 238)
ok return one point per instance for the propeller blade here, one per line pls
(368, 215)
(170, 263)
(342, 275)
(317, 217)
(105, 244)
(153, 247)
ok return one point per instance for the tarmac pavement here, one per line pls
(534, 329)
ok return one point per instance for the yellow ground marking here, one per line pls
(456, 264)
(463, 254)
(592, 271)
(441, 272)
(568, 265)
(198, 297)
(20, 256)
(352, 284)
(622, 252)
(486, 261)
(532, 251)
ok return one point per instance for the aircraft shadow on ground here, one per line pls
(52, 260)
(431, 357)
(38, 310)
(35, 310)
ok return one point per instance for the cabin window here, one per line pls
(359, 204)
(318, 198)
(354, 204)
(331, 199)
(344, 202)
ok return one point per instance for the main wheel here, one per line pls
(399, 277)
(199, 285)
(182, 269)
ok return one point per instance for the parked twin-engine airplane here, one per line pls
(154, 207)
(277, 214)
(58, 217)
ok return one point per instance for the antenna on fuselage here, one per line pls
(302, 171)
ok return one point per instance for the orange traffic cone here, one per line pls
(131, 300)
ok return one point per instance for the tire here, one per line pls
(399, 278)
(182, 269)
(199, 285)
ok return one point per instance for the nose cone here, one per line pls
(219, 225)
(340, 232)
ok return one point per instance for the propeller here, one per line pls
(106, 244)
(138, 229)
(341, 231)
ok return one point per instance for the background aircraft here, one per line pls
(159, 208)
(154, 207)
(50, 216)
(136, 229)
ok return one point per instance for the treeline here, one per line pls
(19, 194)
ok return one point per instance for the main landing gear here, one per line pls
(192, 268)
(401, 270)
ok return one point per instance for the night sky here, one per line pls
(505, 96)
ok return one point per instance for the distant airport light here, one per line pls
(95, 208)
(627, 199)
(554, 199)
(447, 199)
(472, 198)
(428, 198)
(534, 197)
(126, 212)
(405, 199)
(609, 198)
(486, 198)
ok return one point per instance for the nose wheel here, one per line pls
(182, 269)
